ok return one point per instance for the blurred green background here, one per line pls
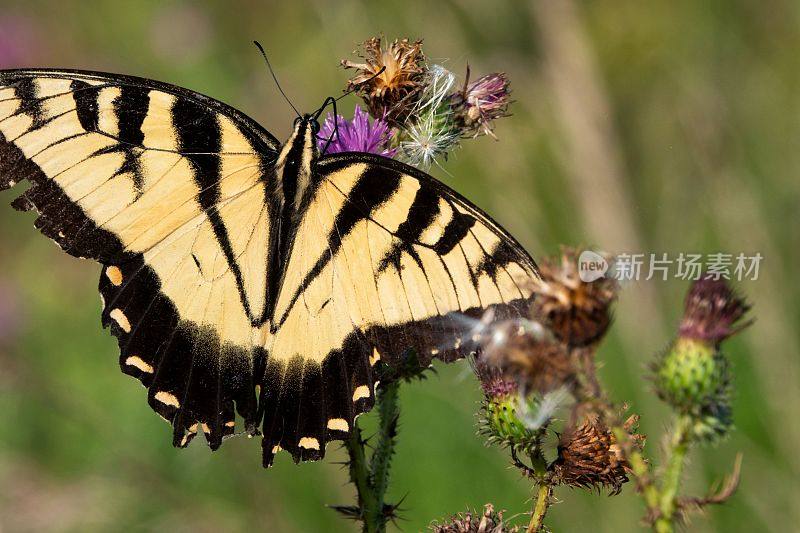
(638, 126)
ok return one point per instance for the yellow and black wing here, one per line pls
(385, 259)
(175, 194)
(166, 188)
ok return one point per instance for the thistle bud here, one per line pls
(490, 521)
(509, 418)
(500, 420)
(577, 312)
(692, 374)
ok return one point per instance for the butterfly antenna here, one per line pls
(335, 134)
(332, 101)
(329, 101)
(274, 77)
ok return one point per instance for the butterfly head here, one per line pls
(307, 121)
(304, 134)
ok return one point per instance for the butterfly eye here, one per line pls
(315, 126)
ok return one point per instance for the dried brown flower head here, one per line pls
(712, 312)
(589, 456)
(524, 353)
(390, 95)
(490, 521)
(578, 313)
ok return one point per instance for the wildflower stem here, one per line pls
(360, 477)
(389, 413)
(371, 476)
(634, 456)
(540, 508)
(639, 467)
(671, 480)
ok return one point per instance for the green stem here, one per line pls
(540, 508)
(388, 413)
(360, 477)
(636, 459)
(371, 477)
(639, 467)
(679, 446)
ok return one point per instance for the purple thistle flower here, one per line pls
(357, 135)
(481, 102)
(713, 311)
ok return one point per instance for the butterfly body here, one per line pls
(294, 179)
(242, 276)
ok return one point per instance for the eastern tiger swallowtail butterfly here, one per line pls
(242, 275)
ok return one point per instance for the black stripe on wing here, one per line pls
(25, 90)
(200, 139)
(263, 141)
(131, 107)
(461, 223)
(421, 214)
(374, 187)
(87, 108)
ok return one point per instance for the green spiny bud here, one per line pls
(692, 374)
(503, 424)
(508, 417)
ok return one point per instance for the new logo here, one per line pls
(592, 266)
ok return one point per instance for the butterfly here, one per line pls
(245, 276)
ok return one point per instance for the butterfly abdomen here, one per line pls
(293, 175)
